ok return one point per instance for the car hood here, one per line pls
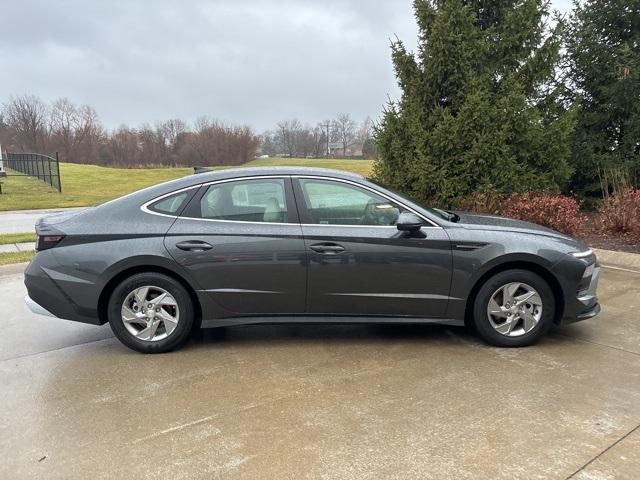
(479, 221)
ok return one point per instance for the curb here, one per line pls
(618, 260)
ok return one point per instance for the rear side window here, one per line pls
(259, 200)
(170, 205)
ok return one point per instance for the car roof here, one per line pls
(260, 171)
(149, 193)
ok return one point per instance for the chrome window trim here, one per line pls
(145, 206)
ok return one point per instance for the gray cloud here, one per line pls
(248, 61)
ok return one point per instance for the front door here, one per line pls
(242, 243)
(359, 263)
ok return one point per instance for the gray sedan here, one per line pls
(281, 245)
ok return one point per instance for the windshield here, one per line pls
(434, 211)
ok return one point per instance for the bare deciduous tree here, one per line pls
(344, 129)
(365, 132)
(269, 144)
(74, 131)
(122, 148)
(319, 135)
(26, 115)
(216, 143)
(173, 130)
(288, 135)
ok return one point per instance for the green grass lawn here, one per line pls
(6, 238)
(7, 258)
(363, 167)
(16, 257)
(86, 185)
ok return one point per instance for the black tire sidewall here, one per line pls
(481, 321)
(182, 331)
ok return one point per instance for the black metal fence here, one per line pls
(37, 165)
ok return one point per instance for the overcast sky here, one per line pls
(246, 61)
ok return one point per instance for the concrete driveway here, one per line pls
(335, 402)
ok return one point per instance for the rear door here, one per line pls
(242, 242)
(359, 263)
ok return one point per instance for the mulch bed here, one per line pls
(621, 243)
(596, 237)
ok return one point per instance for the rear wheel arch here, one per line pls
(515, 265)
(116, 279)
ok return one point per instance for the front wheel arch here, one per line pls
(105, 295)
(515, 265)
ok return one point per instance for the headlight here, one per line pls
(583, 254)
(588, 271)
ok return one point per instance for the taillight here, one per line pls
(44, 242)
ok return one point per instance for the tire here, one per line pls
(494, 329)
(176, 303)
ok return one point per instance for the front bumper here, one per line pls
(590, 313)
(585, 304)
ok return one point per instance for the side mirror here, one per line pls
(409, 222)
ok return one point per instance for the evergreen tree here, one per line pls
(603, 47)
(477, 112)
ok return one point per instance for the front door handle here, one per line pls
(327, 248)
(194, 246)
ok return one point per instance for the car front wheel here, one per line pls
(514, 308)
(151, 313)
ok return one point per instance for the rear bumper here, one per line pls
(585, 304)
(55, 294)
(37, 308)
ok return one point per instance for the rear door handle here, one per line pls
(327, 248)
(194, 246)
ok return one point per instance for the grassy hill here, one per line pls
(363, 167)
(86, 185)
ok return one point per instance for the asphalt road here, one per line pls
(21, 221)
(334, 402)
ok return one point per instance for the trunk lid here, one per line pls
(60, 217)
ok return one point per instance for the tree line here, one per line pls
(340, 137)
(27, 124)
(503, 96)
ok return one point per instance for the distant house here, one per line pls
(353, 150)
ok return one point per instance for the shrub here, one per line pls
(559, 212)
(482, 203)
(620, 211)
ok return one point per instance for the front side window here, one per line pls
(259, 200)
(336, 203)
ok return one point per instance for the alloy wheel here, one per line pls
(150, 313)
(514, 309)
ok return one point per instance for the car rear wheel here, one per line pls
(514, 308)
(151, 313)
